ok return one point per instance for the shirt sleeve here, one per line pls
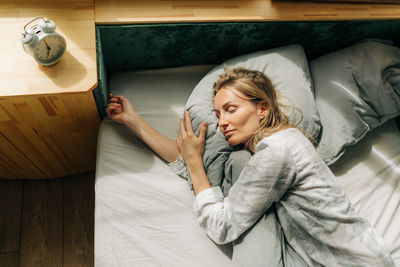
(263, 181)
(180, 168)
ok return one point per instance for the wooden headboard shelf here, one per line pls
(361, 1)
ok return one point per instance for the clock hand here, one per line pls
(48, 47)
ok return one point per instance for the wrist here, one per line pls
(198, 174)
(195, 162)
(132, 121)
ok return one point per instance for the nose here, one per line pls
(222, 122)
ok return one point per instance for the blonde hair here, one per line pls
(258, 89)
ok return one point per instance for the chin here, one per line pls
(233, 142)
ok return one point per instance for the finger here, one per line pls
(122, 99)
(113, 106)
(113, 96)
(109, 111)
(114, 100)
(203, 131)
(178, 143)
(116, 105)
(188, 122)
(182, 130)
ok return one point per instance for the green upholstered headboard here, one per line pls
(149, 46)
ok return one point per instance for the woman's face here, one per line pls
(238, 118)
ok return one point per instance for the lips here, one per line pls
(228, 133)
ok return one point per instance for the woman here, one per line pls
(285, 208)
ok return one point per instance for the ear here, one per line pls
(262, 109)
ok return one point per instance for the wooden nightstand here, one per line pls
(48, 115)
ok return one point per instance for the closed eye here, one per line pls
(231, 109)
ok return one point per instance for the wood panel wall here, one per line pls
(48, 136)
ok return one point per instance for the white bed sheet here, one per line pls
(143, 210)
(370, 174)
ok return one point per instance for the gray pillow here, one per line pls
(356, 89)
(287, 68)
(236, 162)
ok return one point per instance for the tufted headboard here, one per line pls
(149, 46)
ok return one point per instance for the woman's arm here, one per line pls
(191, 148)
(120, 109)
(263, 181)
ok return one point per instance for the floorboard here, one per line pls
(10, 215)
(79, 220)
(42, 223)
(9, 259)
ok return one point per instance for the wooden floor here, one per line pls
(47, 222)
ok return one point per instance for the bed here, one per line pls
(143, 210)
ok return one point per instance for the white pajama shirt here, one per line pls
(315, 214)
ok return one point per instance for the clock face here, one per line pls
(50, 49)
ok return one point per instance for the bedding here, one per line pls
(356, 89)
(287, 68)
(143, 210)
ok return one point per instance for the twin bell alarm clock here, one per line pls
(42, 42)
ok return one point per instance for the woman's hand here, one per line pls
(120, 109)
(191, 146)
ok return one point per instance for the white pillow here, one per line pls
(357, 88)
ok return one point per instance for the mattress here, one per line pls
(143, 210)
